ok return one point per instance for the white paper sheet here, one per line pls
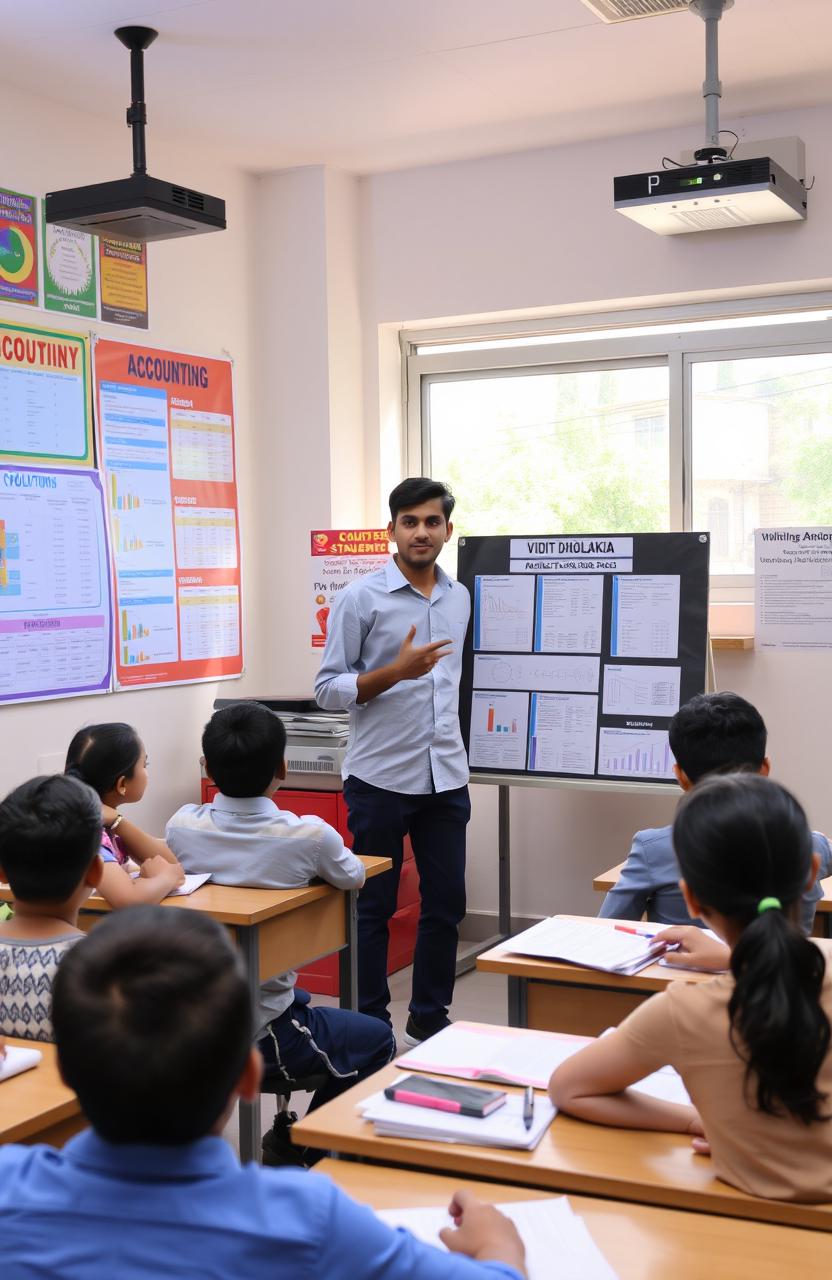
(499, 725)
(503, 1128)
(192, 882)
(641, 691)
(17, 1060)
(569, 612)
(557, 1241)
(562, 732)
(503, 612)
(596, 946)
(645, 616)
(475, 1052)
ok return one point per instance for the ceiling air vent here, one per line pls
(629, 10)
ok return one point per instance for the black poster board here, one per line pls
(580, 650)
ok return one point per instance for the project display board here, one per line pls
(581, 648)
(165, 425)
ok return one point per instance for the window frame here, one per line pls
(574, 351)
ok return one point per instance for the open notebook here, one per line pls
(587, 943)
(473, 1051)
(558, 1244)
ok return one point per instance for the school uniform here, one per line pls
(649, 882)
(251, 842)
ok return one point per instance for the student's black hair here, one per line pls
(741, 838)
(50, 831)
(153, 1024)
(418, 489)
(100, 754)
(717, 732)
(244, 746)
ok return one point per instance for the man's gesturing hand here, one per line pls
(416, 660)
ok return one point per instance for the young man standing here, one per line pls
(393, 658)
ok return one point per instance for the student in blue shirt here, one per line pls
(242, 838)
(712, 733)
(393, 658)
(153, 1028)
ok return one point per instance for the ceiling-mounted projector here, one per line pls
(138, 208)
(716, 192)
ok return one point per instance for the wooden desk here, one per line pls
(608, 879)
(640, 1242)
(622, 1164)
(550, 996)
(276, 930)
(36, 1106)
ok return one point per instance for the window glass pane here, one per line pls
(576, 452)
(762, 450)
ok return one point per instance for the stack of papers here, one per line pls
(557, 1241)
(503, 1128)
(17, 1060)
(472, 1051)
(595, 946)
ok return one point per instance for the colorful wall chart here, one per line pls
(166, 446)
(338, 557)
(45, 401)
(18, 248)
(55, 610)
(123, 270)
(581, 650)
(69, 270)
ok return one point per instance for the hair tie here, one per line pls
(769, 904)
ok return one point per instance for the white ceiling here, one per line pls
(368, 85)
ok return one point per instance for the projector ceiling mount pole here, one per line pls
(137, 39)
(710, 11)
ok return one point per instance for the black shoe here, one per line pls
(414, 1034)
(278, 1148)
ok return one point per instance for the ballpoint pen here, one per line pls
(528, 1106)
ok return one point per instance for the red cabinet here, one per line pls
(321, 977)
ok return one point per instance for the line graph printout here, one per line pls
(562, 732)
(568, 614)
(635, 753)
(545, 672)
(645, 616)
(641, 691)
(504, 612)
(499, 727)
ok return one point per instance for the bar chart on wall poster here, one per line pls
(581, 649)
(166, 441)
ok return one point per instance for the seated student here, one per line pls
(112, 760)
(50, 833)
(713, 732)
(242, 838)
(153, 1027)
(752, 1046)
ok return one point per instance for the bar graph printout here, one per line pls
(166, 445)
(583, 648)
(55, 613)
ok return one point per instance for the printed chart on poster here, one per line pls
(55, 608)
(45, 402)
(581, 649)
(166, 443)
(339, 556)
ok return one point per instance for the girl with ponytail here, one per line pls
(112, 760)
(752, 1045)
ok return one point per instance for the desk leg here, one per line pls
(348, 956)
(250, 1123)
(518, 999)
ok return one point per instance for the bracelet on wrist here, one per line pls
(115, 823)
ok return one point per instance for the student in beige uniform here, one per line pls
(753, 1044)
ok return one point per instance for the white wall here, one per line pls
(199, 301)
(532, 231)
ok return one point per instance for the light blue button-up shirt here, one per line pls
(105, 1212)
(407, 739)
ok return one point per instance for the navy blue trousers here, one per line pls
(308, 1039)
(379, 821)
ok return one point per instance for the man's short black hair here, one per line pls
(417, 489)
(50, 831)
(717, 731)
(244, 746)
(153, 1024)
